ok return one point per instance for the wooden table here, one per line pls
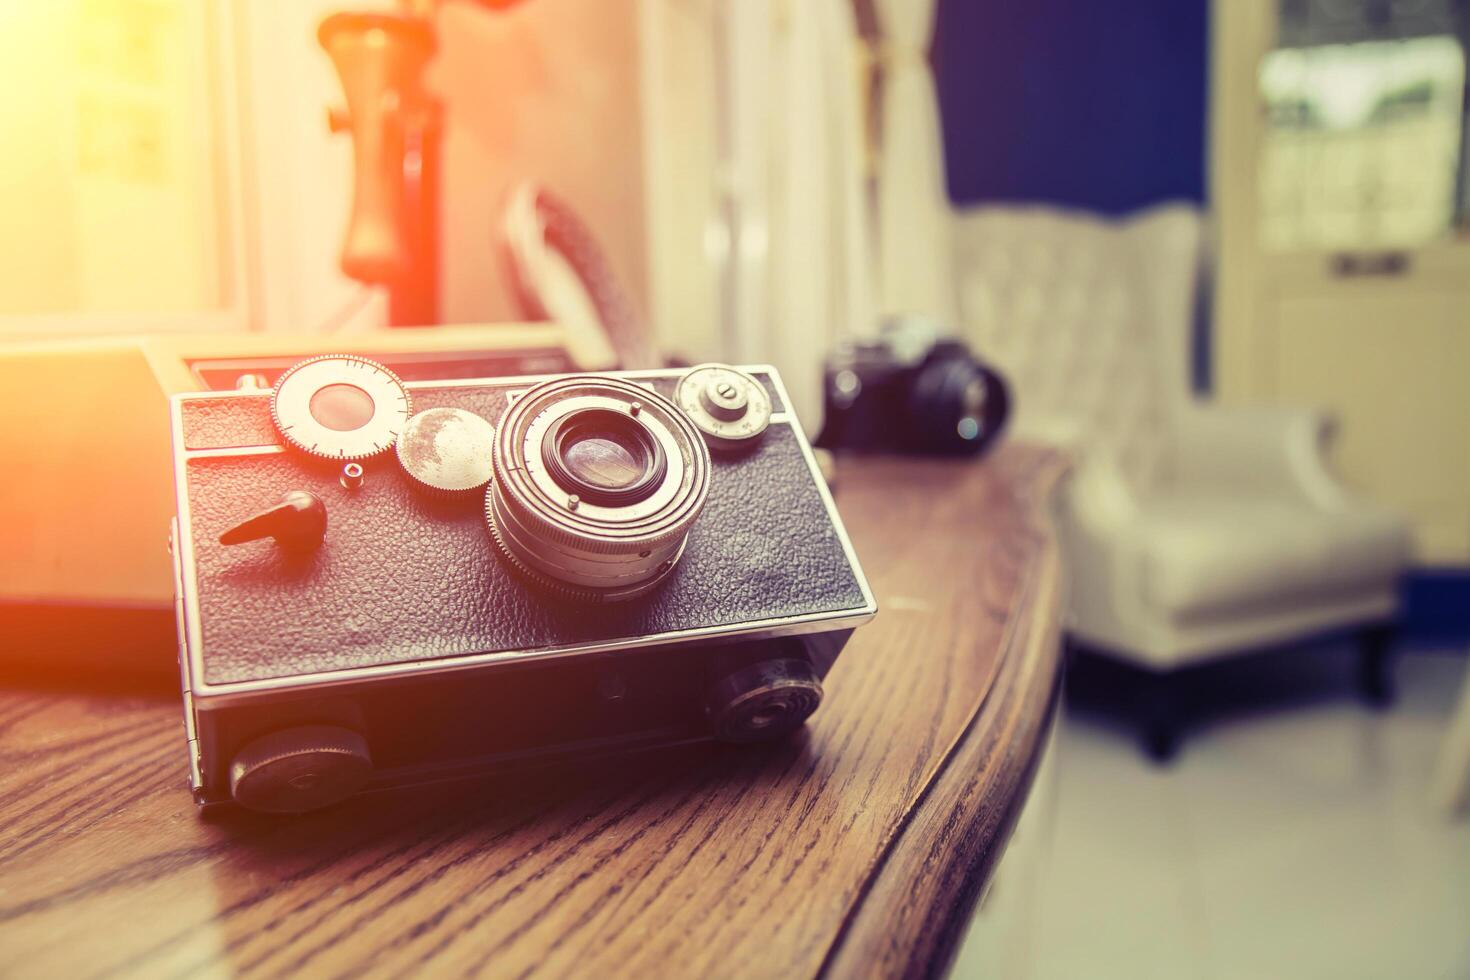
(857, 849)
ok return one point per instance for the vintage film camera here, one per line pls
(912, 391)
(383, 583)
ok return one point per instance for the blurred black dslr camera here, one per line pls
(911, 391)
(383, 583)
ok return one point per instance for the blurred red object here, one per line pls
(392, 235)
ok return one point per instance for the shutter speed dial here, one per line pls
(340, 407)
(729, 407)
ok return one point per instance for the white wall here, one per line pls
(300, 177)
(546, 90)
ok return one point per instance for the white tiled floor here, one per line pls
(1297, 843)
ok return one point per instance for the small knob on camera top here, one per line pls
(729, 407)
(446, 451)
(298, 522)
(724, 399)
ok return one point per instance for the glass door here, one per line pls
(1363, 148)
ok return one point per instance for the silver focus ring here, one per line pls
(576, 566)
(548, 516)
(550, 582)
(512, 526)
(590, 539)
(545, 529)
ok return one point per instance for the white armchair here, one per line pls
(1192, 531)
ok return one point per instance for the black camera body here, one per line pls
(549, 566)
(912, 391)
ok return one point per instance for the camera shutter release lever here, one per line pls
(298, 522)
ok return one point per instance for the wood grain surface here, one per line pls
(857, 849)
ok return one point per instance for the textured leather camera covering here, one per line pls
(402, 577)
(223, 423)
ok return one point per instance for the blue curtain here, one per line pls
(1098, 104)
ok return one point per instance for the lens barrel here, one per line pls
(596, 484)
(957, 406)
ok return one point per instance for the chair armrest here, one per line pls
(1098, 497)
(1276, 450)
(1098, 508)
(1095, 494)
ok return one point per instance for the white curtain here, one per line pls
(916, 266)
(819, 265)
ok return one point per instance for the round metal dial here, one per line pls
(300, 769)
(447, 450)
(340, 407)
(729, 407)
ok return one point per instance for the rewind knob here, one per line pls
(729, 407)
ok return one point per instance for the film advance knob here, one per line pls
(763, 701)
(299, 769)
(729, 407)
(447, 451)
(724, 399)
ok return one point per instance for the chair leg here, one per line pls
(1450, 789)
(1159, 716)
(1375, 666)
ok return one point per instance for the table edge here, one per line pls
(922, 891)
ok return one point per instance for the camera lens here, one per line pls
(957, 406)
(604, 456)
(597, 483)
(605, 462)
